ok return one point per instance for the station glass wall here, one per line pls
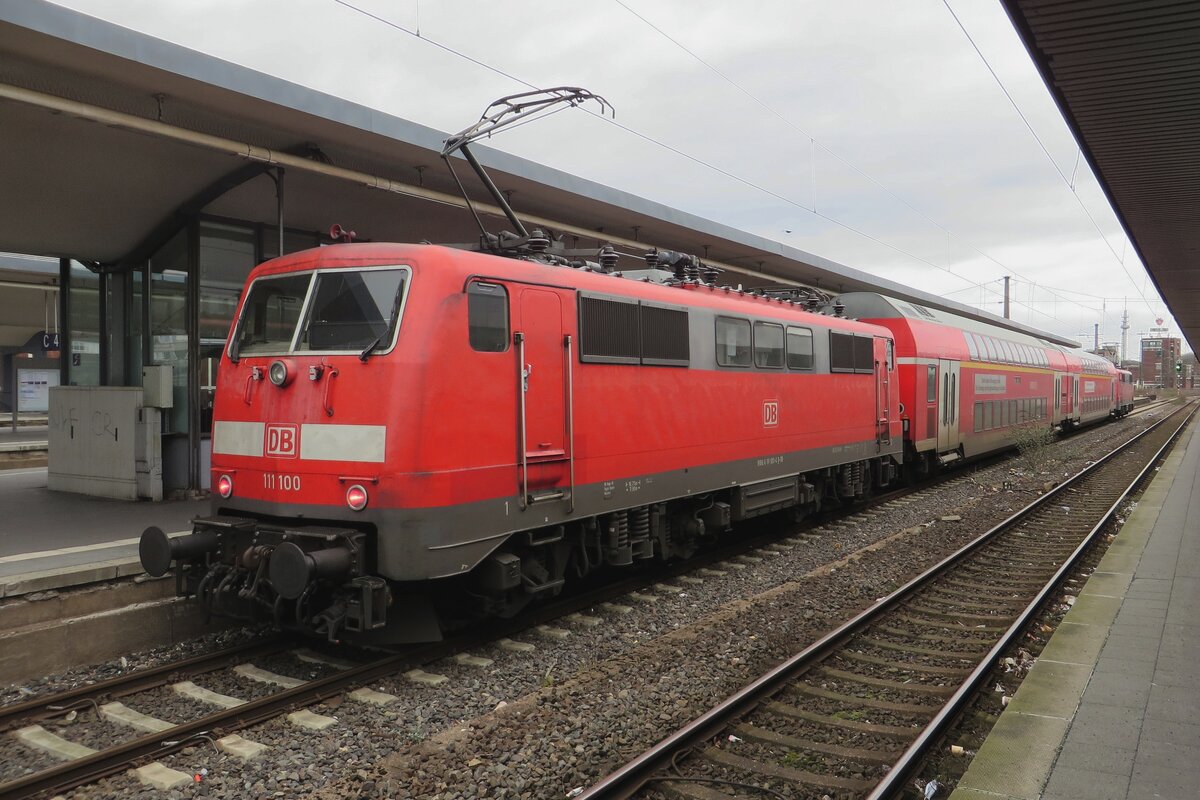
(227, 254)
(84, 326)
(169, 273)
(176, 309)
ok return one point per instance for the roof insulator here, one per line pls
(608, 258)
(538, 241)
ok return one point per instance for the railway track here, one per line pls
(852, 715)
(102, 701)
(148, 737)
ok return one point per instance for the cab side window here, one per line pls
(487, 317)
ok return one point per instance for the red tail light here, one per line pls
(356, 497)
(225, 486)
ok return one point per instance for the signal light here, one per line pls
(225, 486)
(356, 497)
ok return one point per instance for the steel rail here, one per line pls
(137, 681)
(631, 777)
(107, 762)
(155, 745)
(912, 757)
(78, 772)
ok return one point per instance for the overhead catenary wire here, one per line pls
(650, 139)
(733, 176)
(846, 162)
(1068, 181)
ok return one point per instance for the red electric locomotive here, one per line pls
(405, 435)
(391, 415)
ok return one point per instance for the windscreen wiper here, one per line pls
(387, 334)
(371, 347)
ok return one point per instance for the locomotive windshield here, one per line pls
(331, 311)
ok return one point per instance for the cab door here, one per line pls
(948, 436)
(544, 372)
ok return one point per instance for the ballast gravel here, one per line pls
(544, 723)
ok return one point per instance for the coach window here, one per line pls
(733, 342)
(931, 385)
(799, 348)
(487, 317)
(768, 345)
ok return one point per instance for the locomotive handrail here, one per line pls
(522, 449)
(570, 419)
(333, 373)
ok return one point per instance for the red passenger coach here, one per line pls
(967, 386)
(391, 419)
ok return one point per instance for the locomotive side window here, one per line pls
(352, 310)
(270, 314)
(799, 348)
(733, 342)
(487, 317)
(768, 345)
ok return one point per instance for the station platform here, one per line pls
(26, 438)
(1111, 709)
(53, 540)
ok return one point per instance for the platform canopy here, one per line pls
(1126, 76)
(118, 136)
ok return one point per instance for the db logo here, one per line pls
(770, 413)
(282, 441)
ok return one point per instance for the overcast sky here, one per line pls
(878, 115)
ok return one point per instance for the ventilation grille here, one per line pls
(849, 353)
(665, 336)
(609, 331)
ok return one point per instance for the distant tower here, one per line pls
(1125, 331)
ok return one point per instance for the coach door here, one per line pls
(948, 435)
(545, 375)
(883, 392)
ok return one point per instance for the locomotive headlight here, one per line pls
(279, 373)
(356, 497)
(225, 486)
